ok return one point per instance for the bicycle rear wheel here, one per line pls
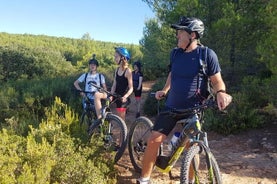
(113, 133)
(138, 135)
(199, 165)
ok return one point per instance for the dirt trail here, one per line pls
(246, 158)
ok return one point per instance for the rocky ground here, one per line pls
(247, 158)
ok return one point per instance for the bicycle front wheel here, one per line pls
(138, 135)
(199, 166)
(113, 133)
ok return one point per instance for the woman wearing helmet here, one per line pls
(181, 86)
(122, 83)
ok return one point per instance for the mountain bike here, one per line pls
(197, 162)
(111, 129)
(89, 113)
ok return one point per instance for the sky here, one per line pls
(119, 21)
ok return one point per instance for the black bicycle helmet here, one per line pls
(190, 25)
(93, 60)
(138, 64)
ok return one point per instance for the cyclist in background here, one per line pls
(182, 87)
(137, 85)
(92, 77)
(122, 83)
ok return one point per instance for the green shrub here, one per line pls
(49, 154)
(10, 159)
(151, 104)
(239, 116)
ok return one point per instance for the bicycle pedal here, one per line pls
(116, 148)
(106, 141)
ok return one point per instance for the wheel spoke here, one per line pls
(138, 136)
(113, 134)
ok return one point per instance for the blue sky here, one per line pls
(119, 21)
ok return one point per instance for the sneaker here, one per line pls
(137, 115)
(143, 182)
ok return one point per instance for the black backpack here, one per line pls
(100, 76)
(203, 70)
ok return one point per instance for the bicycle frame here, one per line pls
(106, 105)
(198, 164)
(111, 129)
(104, 110)
(190, 133)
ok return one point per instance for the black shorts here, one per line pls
(137, 92)
(165, 123)
(120, 104)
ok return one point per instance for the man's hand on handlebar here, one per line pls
(160, 95)
(223, 100)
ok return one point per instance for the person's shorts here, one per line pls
(165, 123)
(137, 92)
(88, 104)
(121, 105)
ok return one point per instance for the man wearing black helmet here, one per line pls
(181, 86)
(93, 77)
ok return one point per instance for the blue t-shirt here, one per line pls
(136, 76)
(185, 67)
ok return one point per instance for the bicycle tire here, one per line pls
(138, 135)
(116, 139)
(204, 175)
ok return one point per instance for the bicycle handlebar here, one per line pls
(209, 103)
(101, 89)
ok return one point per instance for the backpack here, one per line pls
(100, 76)
(203, 73)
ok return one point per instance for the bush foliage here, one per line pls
(41, 141)
(50, 154)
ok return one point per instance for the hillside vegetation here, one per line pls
(39, 109)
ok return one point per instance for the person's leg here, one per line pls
(162, 127)
(121, 111)
(121, 108)
(97, 103)
(138, 101)
(151, 152)
(138, 106)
